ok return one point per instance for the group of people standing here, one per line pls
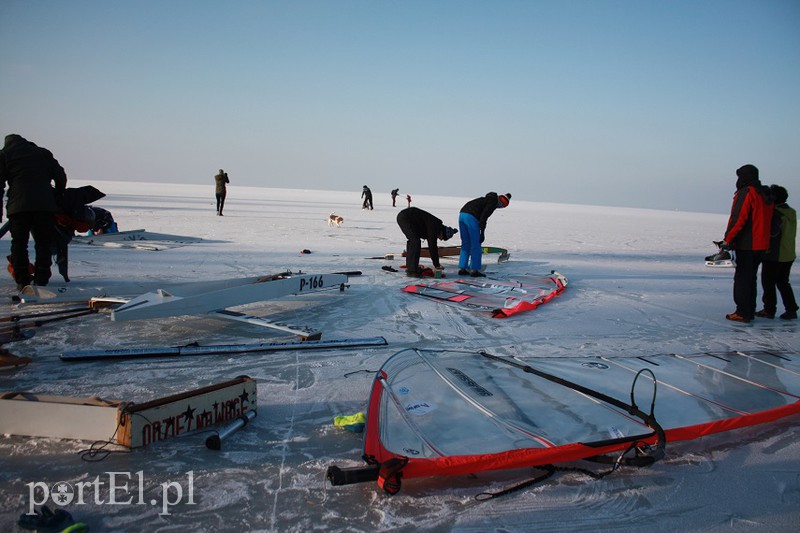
(762, 230)
(366, 196)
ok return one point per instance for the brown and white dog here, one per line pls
(335, 220)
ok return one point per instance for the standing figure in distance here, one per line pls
(778, 261)
(366, 194)
(34, 180)
(472, 224)
(221, 179)
(395, 192)
(408, 199)
(417, 224)
(748, 234)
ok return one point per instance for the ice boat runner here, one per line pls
(436, 413)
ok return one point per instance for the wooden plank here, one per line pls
(185, 413)
(125, 423)
(58, 416)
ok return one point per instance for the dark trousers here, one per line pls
(745, 282)
(40, 224)
(220, 202)
(413, 246)
(775, 274)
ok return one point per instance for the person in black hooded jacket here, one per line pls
(34, 178)
(472, 223)
(417, 224)
(366, 194)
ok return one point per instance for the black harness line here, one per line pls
(641, 459)
(657, 452)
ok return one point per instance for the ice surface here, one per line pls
(637, 286)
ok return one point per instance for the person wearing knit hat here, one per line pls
(221, 190)
(777, 265)
(417, 224)
(472, 223)
(748, 233)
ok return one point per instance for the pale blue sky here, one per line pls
(629, 103)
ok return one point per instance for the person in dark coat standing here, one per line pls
(777, 265)
(35, 179)
(417, 224)
(221, 180)
(366, 194)
(395, 192)
(472, 223)
(748, 233)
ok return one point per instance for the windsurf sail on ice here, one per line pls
(434, 413)
(501, 298)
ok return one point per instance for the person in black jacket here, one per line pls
(472, 223)
(777, 265)
(366, 194)
(417, 224)
(31, 173)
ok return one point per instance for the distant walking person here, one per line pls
(417, 224)
(395, 192)
(366, 194)
(408, 199)
(748, 233)
(221, 179)
(472, 224)
(35, 179)
(778, 261)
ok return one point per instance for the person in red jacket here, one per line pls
(748, 233)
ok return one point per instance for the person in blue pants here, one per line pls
(472, 226)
